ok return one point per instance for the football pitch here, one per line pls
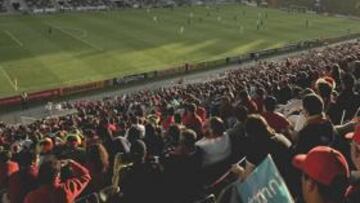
(47, 51)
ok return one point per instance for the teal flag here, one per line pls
(264, 185)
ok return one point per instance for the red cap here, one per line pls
(322, 164)
(355, 136)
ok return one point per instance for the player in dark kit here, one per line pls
(50, 30)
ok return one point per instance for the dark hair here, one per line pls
(257, 127)
(324, 89)
(189, 138)
(177, 118)
(48, 171)
(98, 157)
(138, 151)
(170, 111)
(5, 156)
(173, 133)
(150, 130)
(313, 104)
(335, 192)
(134, 120)
(357, 70)
(217, 125)
(134, 134)
(260, 91)
(336, 72)
(191, 107)
(241, 113)
(270, 104)
(27, 158)
(243, 95)
(348, 81)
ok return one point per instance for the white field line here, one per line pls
(8, 78)
(75, 37)
(18, 42)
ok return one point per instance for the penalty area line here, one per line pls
(75, 37)
(15, 39)
(8, 78)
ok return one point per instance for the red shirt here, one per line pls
(168, 122)
(6, 170)
(61, 192)
(259, 103)
(193, 122)
(201, 112)
(112, 127)
(21, 183)
(276, 120)
(251, 106)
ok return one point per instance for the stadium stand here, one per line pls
(2, 7)
(43, 4)
(84, 3)
(173, 144)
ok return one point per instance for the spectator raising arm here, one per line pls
(74, 186)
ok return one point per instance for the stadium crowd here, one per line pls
(172, 144)
(2, 7)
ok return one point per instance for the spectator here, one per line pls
(169, 119)
(238, 137)
(172, 138)
(285, 93)
(226, 110)
(51, 189)
(201, 111)
(238, 130)
(135, 133)
(353, 192)
(259, 99)
(294, 110)
(325, 90)
(24, 180)
(318, 130)
(325, 173)
(336, 73)
(73, 150)
(216, 144)
(246, 101)
(153, 140)
(348, 101)
(97, 162)
(7, 167)
(191, 119)
(276, 120)
(182, 169)
(136, 124)
(141, 181)
(46, 147)
(263, 141)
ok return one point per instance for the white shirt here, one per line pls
(215, 149)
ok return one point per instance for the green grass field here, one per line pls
(100, 45)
